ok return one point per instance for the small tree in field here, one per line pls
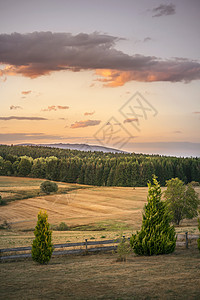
(156, 236)
(42, 247)
(182, 200)
(48, 187)
(123, 249)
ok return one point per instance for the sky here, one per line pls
(122, 74)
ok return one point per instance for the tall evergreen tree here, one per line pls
(42, 247)
(106, 172)
(99, 174)
(111, 177)
(156, 236)
(120, 175)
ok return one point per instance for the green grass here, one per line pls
(100, 276)
(103, 226)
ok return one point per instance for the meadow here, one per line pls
(93, 213)
(90, 212)
(100, 276)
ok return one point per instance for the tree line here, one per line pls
(95, 168)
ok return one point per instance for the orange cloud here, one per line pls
(114, 78)
(86, 123)
(55, 108)
(26, 92)
(62, 107)
(50, 108)
(89, 113)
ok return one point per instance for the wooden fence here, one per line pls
(84, 247)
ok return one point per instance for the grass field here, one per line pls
(91, 212)
(76, 207)
(174, 276)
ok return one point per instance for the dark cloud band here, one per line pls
(22, 118)
(40, 53)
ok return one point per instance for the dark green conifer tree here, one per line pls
(111, 177)
(42, 247)
(156, 236)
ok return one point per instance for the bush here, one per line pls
(42, 247)
(195, 183)
(2, 202)
(62, 227)
(156, 235)
(123, 249)
(5, 225)
(47, 187)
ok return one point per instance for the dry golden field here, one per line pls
(77, 207)
(104, 211)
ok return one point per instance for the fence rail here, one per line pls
(83, 247)
(182, 240)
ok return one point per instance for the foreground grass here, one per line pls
(174, 276)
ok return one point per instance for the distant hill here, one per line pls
(80, 147)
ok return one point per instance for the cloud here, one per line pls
(50, 108)
(130, 120)
(15, 107)
(89, 113)
(22, 118)
(177, 131)
(164, 10)
(40, 53)
(55, 108)
(79, 124)
(62, 107)
(10, 137)
(147, 39)
(26, 92)
(176, 70)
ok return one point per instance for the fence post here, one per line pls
(186, 239)
(86, 244)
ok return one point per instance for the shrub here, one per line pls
(62, 227)
(5, 225)
(195, 183)
(2, 202)
(123, 249)
(47, 187)
(156, 235)
(42, 247)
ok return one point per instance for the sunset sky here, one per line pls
(123, 74)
